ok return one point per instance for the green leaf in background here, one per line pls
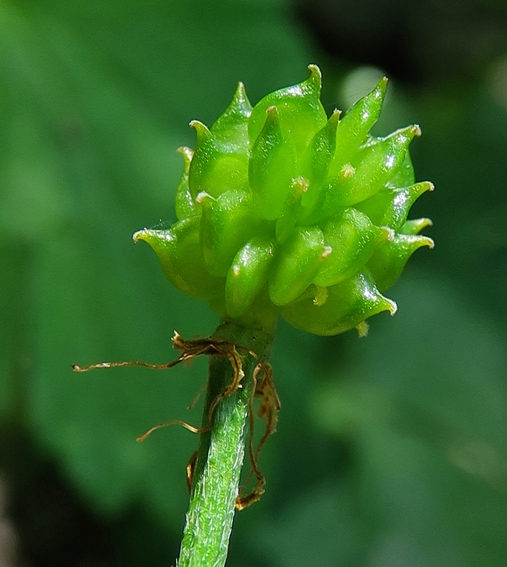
(390, 450)
(93, 98)
(427, 483)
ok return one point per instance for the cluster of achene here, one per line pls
(283, 209)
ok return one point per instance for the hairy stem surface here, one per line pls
(221, 451)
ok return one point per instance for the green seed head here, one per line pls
(284, 210)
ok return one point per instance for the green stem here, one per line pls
(221, 452)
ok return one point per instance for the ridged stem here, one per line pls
(221, 451)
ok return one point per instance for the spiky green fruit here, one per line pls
(282, 210)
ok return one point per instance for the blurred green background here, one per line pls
(391, 451)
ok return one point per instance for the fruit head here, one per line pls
(282, 210)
